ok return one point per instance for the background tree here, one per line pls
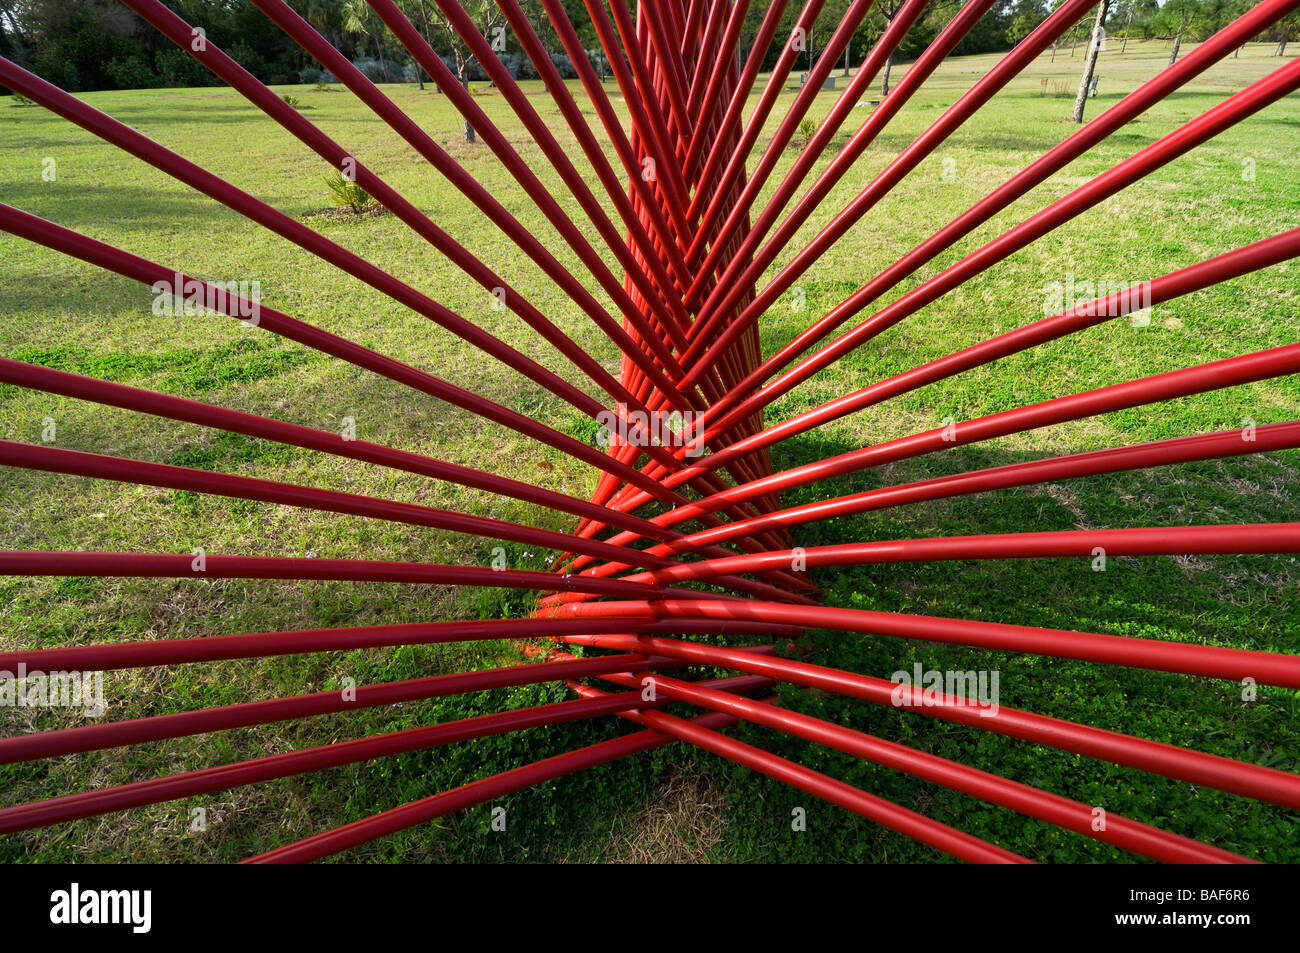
(486, 16)
(1090, 61)
(1024, 17)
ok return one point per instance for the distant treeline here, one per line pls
(100, 44)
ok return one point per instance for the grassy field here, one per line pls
(675, 804)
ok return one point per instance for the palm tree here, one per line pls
(359, 19)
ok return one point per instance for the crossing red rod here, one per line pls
(148, 272)
(1270, 437)
(1215, 375)
(1210, 661)
(1232, 264)
(732, 116)
(772, 153)
(114, 259)
(676, 235)
(886, 813)
(717, 40)
(1026, 799)
(595, 154)
(1254, 538)
(179, 32)
(666, 306)
(647, 124)
(311, 41)
(711, 97)
(883, 48)
(641, 63)
(467, 795)
(744, 268)
(221, 418)
(1231, 111)
(52, 744)
(257, 770)
(31, 562)
(1195, 767)
(669, 65)
(120, 655)
(190, 411)
(1152, 91)
(58, 460)
(705, 203)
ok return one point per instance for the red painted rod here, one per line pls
(148, 272)
(1215, 375)
(118, 655)
(1231, 111)
(1062, 544)
(1204, 274)
(257, 770)
(1031, 801)
(180, 33)
(1210, 661)
(886, 813)
(53, 744)
(145, 149)
(1149, 93)
(1232, 264)
(31, 562)
(722, 299)
(1195, 767)
(54, 459)
(151, 402)
(1267, 438)
(467, 795)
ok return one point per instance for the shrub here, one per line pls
(346, 193)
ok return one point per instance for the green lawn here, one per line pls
(62, 313)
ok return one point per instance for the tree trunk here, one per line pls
(847, 47)
(1090, 62)
(884, 82)
(1174, 55)
(462, 74)
(1281, 47)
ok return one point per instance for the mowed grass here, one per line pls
(63, 313)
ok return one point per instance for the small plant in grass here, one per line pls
(293, 101)
(18, 99)
(807, 129)
(322, 86)
(347, 194)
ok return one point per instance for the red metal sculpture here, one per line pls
(685, 317)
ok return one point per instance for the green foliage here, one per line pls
(346, 193)
(79, 319)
